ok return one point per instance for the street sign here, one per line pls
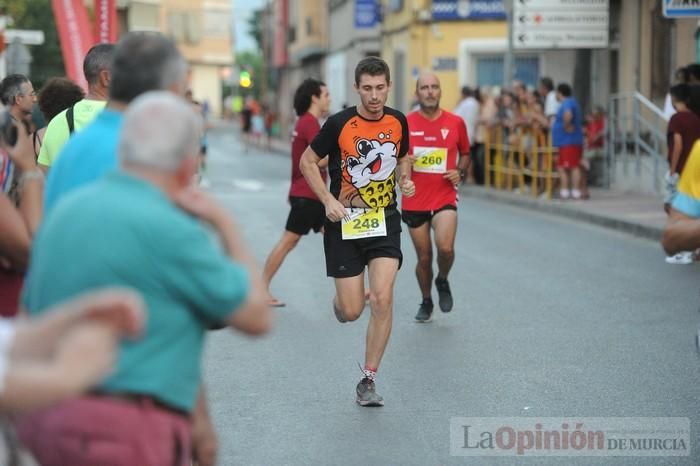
(444, 63)
(565, 5)
(25, 36)
(560, 24)
(681, 9)
(449, 10)
(592, 19)
(366, 14)
(18, 59)
(560, 40)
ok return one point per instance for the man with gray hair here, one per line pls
(97, 70)
(143, 61)
(145, 227)
(18, 96)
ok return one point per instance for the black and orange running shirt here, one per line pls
(362, 156)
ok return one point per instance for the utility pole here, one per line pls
(508, 59)
(264, 29)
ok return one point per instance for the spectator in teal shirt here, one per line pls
(141, 227)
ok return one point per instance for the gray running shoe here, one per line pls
(444, 293)
(367, 394)
(338, 314)
(425, 311)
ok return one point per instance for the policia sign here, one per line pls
(681, 9)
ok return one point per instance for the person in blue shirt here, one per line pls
(142, 62)
(142, 227)
(567, 135)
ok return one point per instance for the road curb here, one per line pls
(561, 210)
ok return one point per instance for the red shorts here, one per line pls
(570, 156)
(91, 431)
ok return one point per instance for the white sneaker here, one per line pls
(564, 194)
(682, 258)
(576, 194)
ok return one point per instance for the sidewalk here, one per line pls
(637, 214)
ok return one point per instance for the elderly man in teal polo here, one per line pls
(142, 227)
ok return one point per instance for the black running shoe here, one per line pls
(444, 293)
(425, 311)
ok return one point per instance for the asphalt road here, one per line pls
(552, 318)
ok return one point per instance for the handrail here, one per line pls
(647, 103)
(650, 105)
(636, 132)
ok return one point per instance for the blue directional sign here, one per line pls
(366, 14)
(681, 8)
(445, 10)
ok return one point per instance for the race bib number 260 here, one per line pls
(430, 159)
(364, 223)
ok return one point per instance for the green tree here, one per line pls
(47, 60)
(255, 25)
(13, 8)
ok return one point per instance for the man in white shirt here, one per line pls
(468, 109)
(551, 104)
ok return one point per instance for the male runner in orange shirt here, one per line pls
(364, 144)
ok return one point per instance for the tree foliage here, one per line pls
(255, 27)
(47, 60)
(252, 62)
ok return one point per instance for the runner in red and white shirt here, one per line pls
(440, 147)
(311, 101)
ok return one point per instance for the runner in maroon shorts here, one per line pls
(439, 146)
(311, 101)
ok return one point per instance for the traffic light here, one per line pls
(244, 79)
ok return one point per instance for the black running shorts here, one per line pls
(305, 215)
(348, 258)
(416, 218)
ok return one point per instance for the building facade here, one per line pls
(460, 47)
(356, 35)
(202, 31)
(465, 43)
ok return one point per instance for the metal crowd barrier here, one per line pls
(527, 165)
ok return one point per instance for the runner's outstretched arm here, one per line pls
(405, 166)
(309, 166)
(406, 185)
(458, 174)
(465, 161)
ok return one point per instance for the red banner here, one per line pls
(105, 21)
(74, 33)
